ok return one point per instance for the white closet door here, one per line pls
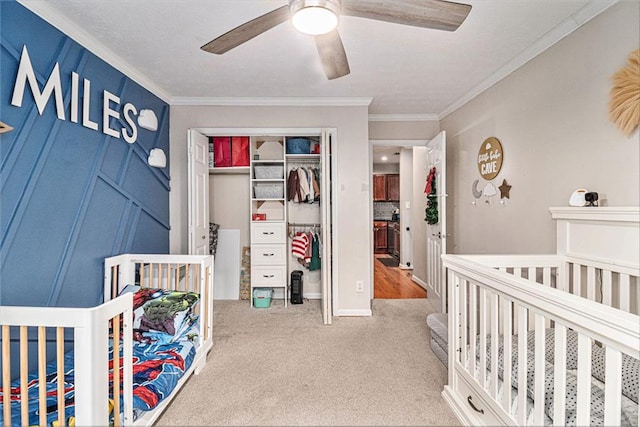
(328, 137)
(198, 173)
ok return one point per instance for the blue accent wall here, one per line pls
(71, 196)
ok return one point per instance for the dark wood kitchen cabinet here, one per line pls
(380, 236)
(386, 187)
(379, 188)
(393, 188)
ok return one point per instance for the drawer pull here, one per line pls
(268, 254)
(267, 276)
(474, 406)
(267, 233)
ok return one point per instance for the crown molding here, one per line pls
(403, 117)
(273, 101)
(70, 29)
(569, 25)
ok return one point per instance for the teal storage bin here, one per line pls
(262, 297)
(298, 145)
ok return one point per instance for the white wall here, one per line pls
(225, 190)
(551, 116)
(406, 206)
(352, 227)
(418, 224)
(407, 129)
(386, 168)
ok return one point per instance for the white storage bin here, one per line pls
(269, 171)
(268, 190)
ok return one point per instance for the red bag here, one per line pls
(240, 151)
(221, 151)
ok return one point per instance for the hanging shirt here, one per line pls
(315, 264)
(299, 246)
(303, 184)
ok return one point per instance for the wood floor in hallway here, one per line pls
(393, 282)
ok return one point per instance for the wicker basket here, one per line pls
(268, 190)
(269, 171)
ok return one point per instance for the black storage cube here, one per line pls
(296, 287)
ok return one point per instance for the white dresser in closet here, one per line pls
(268, 215)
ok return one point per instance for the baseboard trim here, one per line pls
(419, 281)
(361, 313)
(314, 295)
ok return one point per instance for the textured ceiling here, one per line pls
(405, 70)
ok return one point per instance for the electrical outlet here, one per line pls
(359, 286)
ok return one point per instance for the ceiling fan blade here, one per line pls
(332, 54)
(436, 14)
(247, 31)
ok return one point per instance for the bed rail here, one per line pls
(189, 273)
(35, 329)
(484, 300)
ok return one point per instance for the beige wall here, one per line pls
(551, 117)
(225, 190)
(352, 227)
(386, 168)
(422, 129)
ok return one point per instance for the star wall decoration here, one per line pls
(504, 190)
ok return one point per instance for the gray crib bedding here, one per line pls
(630, 375)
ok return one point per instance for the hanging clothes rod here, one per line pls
(303, 224)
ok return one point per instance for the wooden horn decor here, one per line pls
(5, 127)
(624, 106)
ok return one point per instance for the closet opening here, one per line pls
(272, 214)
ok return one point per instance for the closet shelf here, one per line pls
(230, 170)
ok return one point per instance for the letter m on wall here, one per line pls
(26, 74)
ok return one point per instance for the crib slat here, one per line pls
(506, 376)
(24, 371)
(483, 338)
(473, 315)
(612, 387)
(591, 283)
(546, 276)
(517, 272)
(625, 294)
(577, 279)
(205, 297)
(539, 361)
(522, 365)
(494, 345)
(463, 325)
(607, 297)
(60, 374)
(186, 277)
(531, 272)
(116, 370)
(583, 396)
(142, 275)
(6, 373)
(560, 374)
(42, 374)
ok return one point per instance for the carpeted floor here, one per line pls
(389, 262)
(280, 366)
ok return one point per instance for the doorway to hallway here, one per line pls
(392, 282)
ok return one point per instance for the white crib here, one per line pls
(574, 314)
(43, 329)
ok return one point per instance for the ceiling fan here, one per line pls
(320, 18)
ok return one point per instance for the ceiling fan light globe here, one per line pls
(314, 20)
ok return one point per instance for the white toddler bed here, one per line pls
(65, 370)
(574, 314)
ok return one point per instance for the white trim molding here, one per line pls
(274, 101)
(403, 117)
(419, 281)
(568, 26)
(353, 313)
(47, 12)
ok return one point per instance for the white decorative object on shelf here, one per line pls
(577, 198)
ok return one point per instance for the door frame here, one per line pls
(403, 143)
(280, 131)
